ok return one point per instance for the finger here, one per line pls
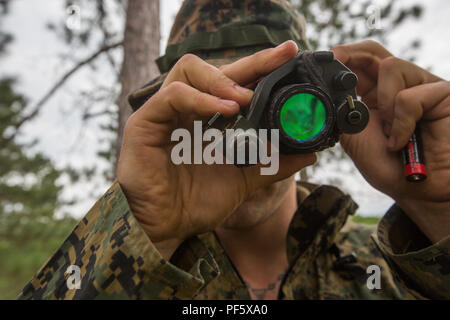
(251, 68)
(197, 73)
(363, 55)
(178, 97)
(394, 76)
(365, 83)
(364, 59)
(423, 101)
(360, 54)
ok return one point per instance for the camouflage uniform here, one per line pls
(328, 254)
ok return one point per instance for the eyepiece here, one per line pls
(302, 116)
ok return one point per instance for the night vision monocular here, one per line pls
(311, 100)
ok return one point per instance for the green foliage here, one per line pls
(21, 257)
(5, 38)
(29, 230)
(27, 182)
(29, 194)
(366, 220)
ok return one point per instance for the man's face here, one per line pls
(260, 205)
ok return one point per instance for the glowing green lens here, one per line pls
(303, 116)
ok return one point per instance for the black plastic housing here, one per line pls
(317, 73)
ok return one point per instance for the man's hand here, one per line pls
(174, 202)
(399, 94)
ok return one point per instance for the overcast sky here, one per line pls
(35, 58)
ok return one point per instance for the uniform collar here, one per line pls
(317, 221)
(313, 229)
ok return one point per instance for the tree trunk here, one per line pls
(140, 49)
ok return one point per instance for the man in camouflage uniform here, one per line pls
(220, 232)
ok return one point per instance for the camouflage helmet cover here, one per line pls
(222, 31)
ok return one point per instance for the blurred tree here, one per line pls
(99, 27)
(29, 194)
(141, 48)
(332, 22)
(29, 198)
(122, 39)
(29, 188)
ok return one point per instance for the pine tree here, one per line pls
(29, 198)
(29, 195)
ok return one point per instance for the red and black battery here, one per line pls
(413, 159)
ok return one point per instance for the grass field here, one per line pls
(21, 258)
(366, 220)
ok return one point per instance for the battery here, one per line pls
(413, 160)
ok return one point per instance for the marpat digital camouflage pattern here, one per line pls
(328, 254)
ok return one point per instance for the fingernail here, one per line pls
(280, 45)
(228, 103)
(391, 142)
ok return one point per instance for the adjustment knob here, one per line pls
(323, 56)
(345, 80)
(352, 116)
